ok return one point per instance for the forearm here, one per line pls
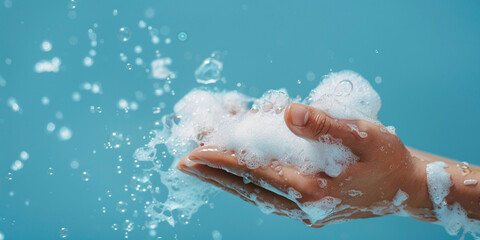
(464, 189)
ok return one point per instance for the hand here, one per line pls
(365, 189)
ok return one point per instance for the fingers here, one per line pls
(279, 177)
(307, 122)
(266, 200)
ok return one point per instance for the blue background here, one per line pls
(428, 58)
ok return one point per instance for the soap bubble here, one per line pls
(74, 164)
(17, 165)
(121, 206)
(87, 61)
(45, 101)
(310, 76)
(63, 232)
(344, 88)
(124, 34)
(128, 225)
(24, 155)
(46, 46)
(216, 235)
(76, 96)
(50, 171)
(85, 176)
(115, 12)
(210, 70)
(64, 133)
(115, 140)
(115, 227)
(138, 49)
(378, 79)
(129, 66)
(50, 127)
(182, 36)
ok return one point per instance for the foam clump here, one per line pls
(257, 135)
(453, 217)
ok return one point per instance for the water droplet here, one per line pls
(344, 88)
(64, 133)
(115, 12)
(85, 176)
(124, 34)
(210, 70)
(182, 36)
(299, 81)
(63, 232)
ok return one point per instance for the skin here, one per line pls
(385, 165)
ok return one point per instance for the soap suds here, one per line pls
(257, 135)
(453, 217)
(400, 197)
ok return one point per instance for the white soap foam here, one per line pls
(400, 197)
(453, 217)
(257, 135)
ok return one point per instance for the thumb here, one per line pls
(310, 123)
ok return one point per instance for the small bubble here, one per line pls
(50, 171)
(128, 225)
(115, 12)
(46, 46)
(24, 155)
(121, 206)
(85, 176)
(74, 164)
(376, 51)
(138, 49)
(142, 24)
(45, 101)
(129, 66)
(115, 227)
(50, 127)
(76, 97)
(168, 40)
(182, 36)
(124, 34)
(149, 12)
(216, 235)
(63, 232)
(87, 61)
(299, 82)
(310, 76)
(378, 79)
